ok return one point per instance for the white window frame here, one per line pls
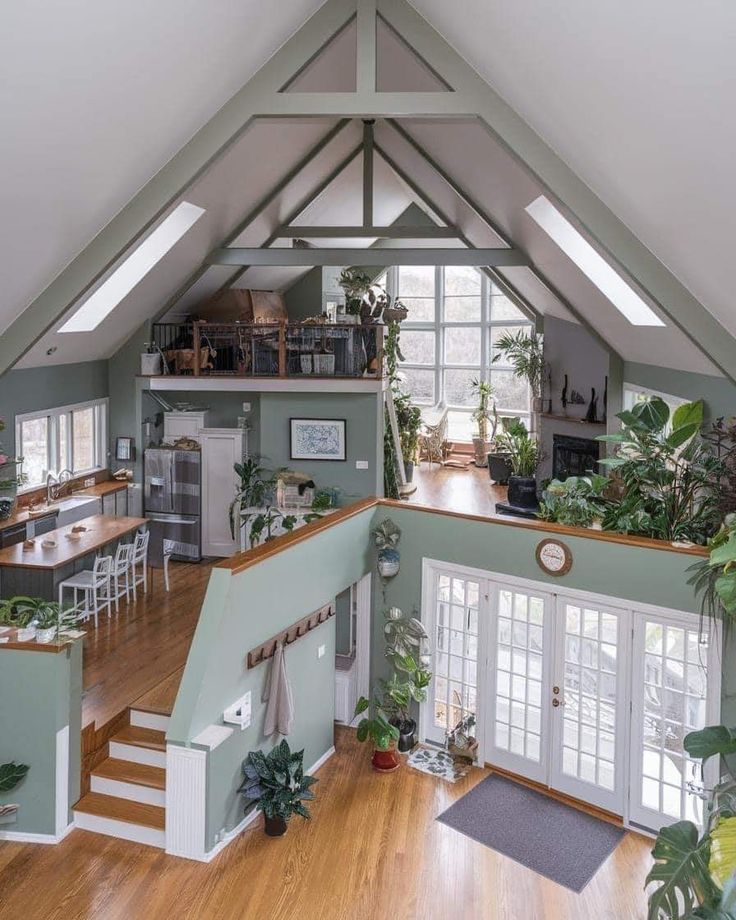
(438, 327)
(61, 417)
(632, 390)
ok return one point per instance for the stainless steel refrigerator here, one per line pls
(172, 489)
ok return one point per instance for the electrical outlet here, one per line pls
(321, 651)
(89, 482)
(361, 464)
(246, 407)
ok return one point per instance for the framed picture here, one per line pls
(124, 449)
(317, 438)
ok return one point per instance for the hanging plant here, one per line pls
(386, 537)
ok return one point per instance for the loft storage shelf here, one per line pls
(231, 384)
(572, 419)
(270, 350)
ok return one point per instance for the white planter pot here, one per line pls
(27, 634)
(151, 365)
(305, 362)
(324, 364)
(46, 636)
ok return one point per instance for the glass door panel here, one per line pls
(456, 603)
(672, 659)
(516, 729)
(588, 702)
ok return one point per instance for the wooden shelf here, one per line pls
(571, 419)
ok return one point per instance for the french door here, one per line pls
(572, 691)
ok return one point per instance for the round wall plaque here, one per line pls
(554, 557)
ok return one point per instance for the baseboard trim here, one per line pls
(251, 817)
(24, 837)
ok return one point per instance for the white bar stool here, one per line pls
(95, 584)
(120, 574)
(140, 556)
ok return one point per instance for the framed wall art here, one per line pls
(317, 439)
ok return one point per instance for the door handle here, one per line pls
(556, 703)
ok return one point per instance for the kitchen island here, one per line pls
(37, 571)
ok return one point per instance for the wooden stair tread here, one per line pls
(125, 771)
(141, 737)
(160, 699)
(113, 808)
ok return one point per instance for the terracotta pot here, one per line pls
(274, 827)
(385, 761)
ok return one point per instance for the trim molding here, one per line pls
(24, 837)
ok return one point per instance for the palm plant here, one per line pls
(525, 352)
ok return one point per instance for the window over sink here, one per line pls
(70, 437)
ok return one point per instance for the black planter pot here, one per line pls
(409, 470)
(274, 827)
(407, 734)
(499, 468)
(523, 491)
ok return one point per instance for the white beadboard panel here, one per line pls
(62, 781)
(186, 801)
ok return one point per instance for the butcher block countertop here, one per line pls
(21, 516)
(101, 530)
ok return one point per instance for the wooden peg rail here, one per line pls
(295, 631)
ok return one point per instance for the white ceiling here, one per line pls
(110, 81)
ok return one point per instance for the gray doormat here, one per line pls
(555, 840)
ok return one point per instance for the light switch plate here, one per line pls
(361, 464)
(246, 407)
(321, 651)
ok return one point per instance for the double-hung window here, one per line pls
(456, 315)
(70, 437)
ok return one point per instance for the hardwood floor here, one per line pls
(133, 651)
(373, 850)
(467, 491)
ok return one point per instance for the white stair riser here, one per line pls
(149, 720)
(121, 751)
(131, 791)
(137, 833)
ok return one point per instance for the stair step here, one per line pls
(117, 817)
(139, 745)
(125, 771)
(141, 718)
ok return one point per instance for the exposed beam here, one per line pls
(169, 183)
(526, 308)
(582, 205)
(365, 78)
(360, 233)
(368, 173)
(255, 212)
(374, 256)
(368, 105)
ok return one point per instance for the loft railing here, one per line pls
(202, 349)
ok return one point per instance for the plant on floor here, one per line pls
(578, 501)
(714, 578)
(670, 476)
(376, 728)
(407, 649)
(278, 785)
(525, 353)
(694, 875)
(484, 413)
(255, 487)
(409, 422)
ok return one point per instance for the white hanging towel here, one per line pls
(280, 709)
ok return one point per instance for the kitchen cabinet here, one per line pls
(108, 504)
(121, 502)
(11, 535)
(222, 448)
(183, 425)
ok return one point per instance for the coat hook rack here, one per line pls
(296, 631)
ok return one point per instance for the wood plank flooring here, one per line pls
(467, 491)
(147, 641)
(372, 851)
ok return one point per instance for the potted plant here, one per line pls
(51, 619)
(523, 457)
(377, 728)
(397, 696)
(525, 353)
(255, 489)
(481, 416)
(386, 537)
(355, 284)
(20, 612)
(578, 501)
(409, 422)
(276, 782)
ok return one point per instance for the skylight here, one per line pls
(127, 275)
(592, 264)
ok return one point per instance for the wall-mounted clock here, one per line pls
(554, 557)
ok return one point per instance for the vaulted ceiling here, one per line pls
(632, 108)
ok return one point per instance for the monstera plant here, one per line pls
(694, 874)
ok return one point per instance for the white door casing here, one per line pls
(222, 448)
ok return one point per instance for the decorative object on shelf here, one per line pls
(317, 439)
(386, 537)
(460, 741)
(11, 774)
(123, 475)
(591, 416)
(153, 363)
(525, 352)
(549, 390)
(239, 713)
(124, 449)
(376, 728)
(267, 649)
(576, 399)
(484, 413)
(278, 785)
(294, 490)
(605, 400)
(554, 557)
(563, 396)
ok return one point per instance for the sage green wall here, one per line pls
(240, 612)
(34, 388)
(342, 623)
(41, 693)
(362, 413)
(718, 393)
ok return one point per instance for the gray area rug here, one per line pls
(555, 840)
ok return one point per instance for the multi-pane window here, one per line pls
(455, 316)
(72, 437)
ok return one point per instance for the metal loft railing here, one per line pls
(202, 349)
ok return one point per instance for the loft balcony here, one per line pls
(270, 350)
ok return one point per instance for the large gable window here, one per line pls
(456, 314)
(71, 437)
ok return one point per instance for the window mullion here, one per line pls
(439, 316)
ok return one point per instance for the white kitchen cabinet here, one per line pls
(183, 425)
(222, 448)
